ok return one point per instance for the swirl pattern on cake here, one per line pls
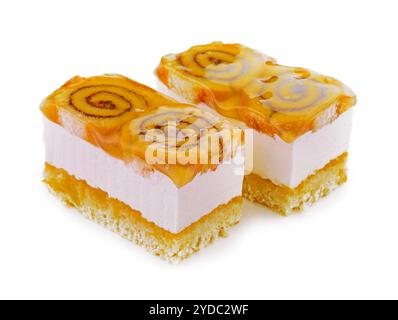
(244, 84)
(125, 119)
(180, 136)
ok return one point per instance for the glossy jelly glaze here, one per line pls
(126, 119)
(243, 84)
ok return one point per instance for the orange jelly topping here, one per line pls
(251, 87)
(133, 122)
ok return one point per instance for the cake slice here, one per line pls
(301, 119)
(143, 165)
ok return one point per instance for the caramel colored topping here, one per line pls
(244, 84)
(177, 135)
(104, 102)
(125, 118)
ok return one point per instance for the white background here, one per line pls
(343, 247)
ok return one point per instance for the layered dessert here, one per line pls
(139, 163)
(301, 120)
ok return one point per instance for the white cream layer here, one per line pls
(290, 164)
(153, 194)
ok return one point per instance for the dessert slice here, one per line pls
(143, 165)
(301, 120)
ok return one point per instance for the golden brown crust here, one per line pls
(96, 205)
(285, 200)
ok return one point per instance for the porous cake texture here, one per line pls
(285, 200)
(120, 218)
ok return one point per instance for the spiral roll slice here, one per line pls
(96, 108)
(288, 101)
(104, 102)
(137, 124)
(180, 141)
(248, 86)
(221, 68)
